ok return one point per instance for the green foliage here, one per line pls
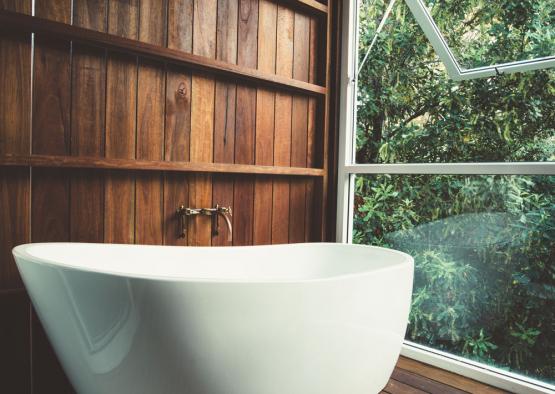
(484, 246)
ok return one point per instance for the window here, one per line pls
(480, 38)
(460, 173)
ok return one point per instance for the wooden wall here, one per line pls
(62, 99)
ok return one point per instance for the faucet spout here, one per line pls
(226, 214)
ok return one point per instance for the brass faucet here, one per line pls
(184, 212)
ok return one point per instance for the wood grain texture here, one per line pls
(224, 111)
(91, 14)
(59, 10)
(245, 123)
(23, 6)
(265, 121)
(199, 63)
(180, 25)
(282, 134)
(87, 126)
(202, 120)
(121, 124)
(123, 18)
(149, 194)
(15, 341)
(15, 100)
(176, 193)
(51, 97)
(15, 225)
(299, 129)
(446, 377)
(149, 165)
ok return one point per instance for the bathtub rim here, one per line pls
(20, 251)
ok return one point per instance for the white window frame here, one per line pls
(348, 169)
(454, 70)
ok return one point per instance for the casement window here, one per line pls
(447, 152)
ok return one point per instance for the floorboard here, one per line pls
(413, 377)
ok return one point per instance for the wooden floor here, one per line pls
(413, 377)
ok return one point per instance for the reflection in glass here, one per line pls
(484, 249)
(409, 111)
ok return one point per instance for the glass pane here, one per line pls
(484, 249)
(410, 111)
(485, 33)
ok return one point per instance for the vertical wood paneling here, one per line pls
(51, 97)
(265, 107)
(59, 10)
(311, 207)
(23, 6)
(50, 223)
(245, 123)
(14, 206)
(50, 205)
(282, 134)
(150, 127)
(225, 106)
(15, 357)
(202, 120)
(121, 113)
(15, 130)
(15, 99)
(87, 125)
(180, 25)
(299, 129)
(178, 118)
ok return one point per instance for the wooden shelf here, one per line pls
(309, 6)
(149, 165)
(17, 22)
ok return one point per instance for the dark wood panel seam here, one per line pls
(14, 21)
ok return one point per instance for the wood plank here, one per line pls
(123, 18)
(225, 106)
(299, 129)
(87, 126)
(15, 101)
(121, 114)
(152, 23)
(265, 121)
(202, 120)
(149, 165)
(196, 62)
(23, 6)
(313, 221)
(310, 7)
(282, 135)
(176, 193)
(395, 387)
(245, 124)
(15, 224)
(91, 14)
(51, 97)
(15, 342)
(149, 194)
(446, 377)
(59, 10)
(424, 383)
(180, 25)
(178, 119)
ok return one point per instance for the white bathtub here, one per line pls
(287, 319)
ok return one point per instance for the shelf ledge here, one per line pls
(152, 165)
(17, 22)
